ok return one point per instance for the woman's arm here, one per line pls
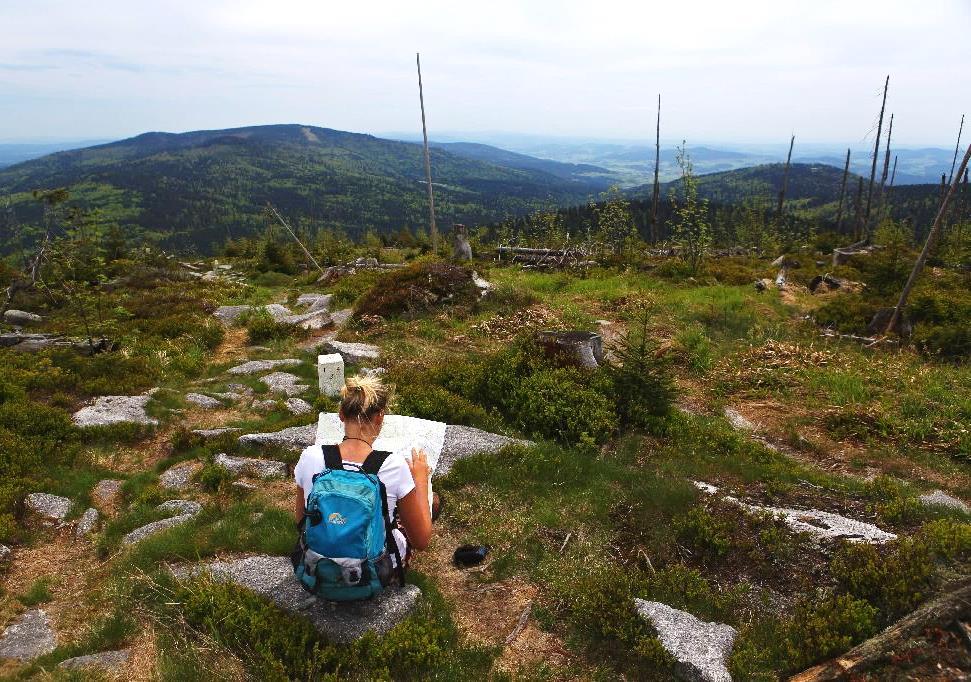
(413, 508)
(299, 503)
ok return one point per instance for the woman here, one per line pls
(364, 401)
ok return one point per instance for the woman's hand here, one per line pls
(419, 466)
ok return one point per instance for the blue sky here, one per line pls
(742, 71)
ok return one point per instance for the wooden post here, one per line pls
(785, 181)
(956, 148)
(433, 228)
(839, 210)
(656, 198)
(876, 155)
(928, 245)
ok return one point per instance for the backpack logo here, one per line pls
(337, 519)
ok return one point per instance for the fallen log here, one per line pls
(941, 611)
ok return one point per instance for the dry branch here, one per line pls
(520, 624)
(876, 155)
(432, 227)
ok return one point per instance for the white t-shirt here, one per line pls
(394, 473)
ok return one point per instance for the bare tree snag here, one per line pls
(857, 221)
(293, 234)
(432, 227)
(943, 610)
(785, 181)
(886, 157)
(876, 155)
(928, 245)
(839, 210)
(893, 174)
(957, 148)
(656, 196)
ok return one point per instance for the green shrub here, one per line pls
(848, 313)
(38, 592)
(823, 628)
(560, 404)
(261, 328)
(430, 401)
(418, 288)
(213, 477)
(705, 534)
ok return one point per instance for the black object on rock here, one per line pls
(470, 555)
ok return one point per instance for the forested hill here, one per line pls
(582, 172)
(195, 189)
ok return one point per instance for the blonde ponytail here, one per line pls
(364, 397)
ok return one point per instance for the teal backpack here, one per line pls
(346, 544)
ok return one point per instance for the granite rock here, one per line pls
(700, 649)
(292, 438)
(53, 507)
(298, 406)
(939, 498)
(283, 382)
(209, 434)
(250, 466)
(257, 366)
(21, 318)
(179, 477)
(109, 661)
(355, 353)
(30, 637)
(183, 511)
(115, 409)
(87, 523)
(203, 401)
(465, 441)
(106, 493)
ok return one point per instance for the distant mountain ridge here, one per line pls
(198, 188)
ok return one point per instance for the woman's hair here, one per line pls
(363, 398)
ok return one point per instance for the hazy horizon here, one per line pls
(744, 73)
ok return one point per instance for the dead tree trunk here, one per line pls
(785, 181)
(876, 155)
(928, 246)
(839, 210)
(893, 174)
(886, 157)
(957, 148)
(656, 197)
(857, 226)
(432, 227)
(940, 612)
(293, 234)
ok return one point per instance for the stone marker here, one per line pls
(29, 638)
(285, 383)
(354, 353)
(330, 374)
(203, 401)
(257, 366)
(21, 318)
(700, 649)
(183, 510)
(939, 498)
(115, 409)
(53, 507)
(298, 406)
(110, 661)
(272, 577)
(87, 523)
(250, 466)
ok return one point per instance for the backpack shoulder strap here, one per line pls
(332, 457)
(374, 461)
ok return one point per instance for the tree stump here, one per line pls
(581, 349)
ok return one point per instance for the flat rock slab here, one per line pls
(285, 383)
(398, 434)
(354, 353)
(115, 409)
(110, 661)
(257, 366)
(315, 319)
(272, 577)
(298, 406)
(939, 498)
(737, 421)
(315, 302)
(87, 523)
(464, 441)
(209, 434)
(53, 507)
(228, 314)
(21, 318)
(292, 438)
(701, 649)
(251, 466)
(183, 511)
(179, 477)
(203, 401)
(29, 638)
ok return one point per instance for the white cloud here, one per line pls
(745, 70)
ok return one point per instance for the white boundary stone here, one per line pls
(330, 373)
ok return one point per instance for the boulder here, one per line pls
(179, 477)
(298, 406)
(30, 637)
(292, 438)
(700, 649)
(257, 366)
(330, 374)
(264, 405)
(354, 353)
(21, 318)
(315, 319)
(340, 622)
(464, 441)
(115, 409)
(183, 511)
(203, 401)
(52, 507)
(340, 317)
(228, 314)
(250, 466)
(5, 553)
(315, 302)
(108, 661)
(106, 493)
(939, 498)
(241, 390)
(285, 383)
(87, 523)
